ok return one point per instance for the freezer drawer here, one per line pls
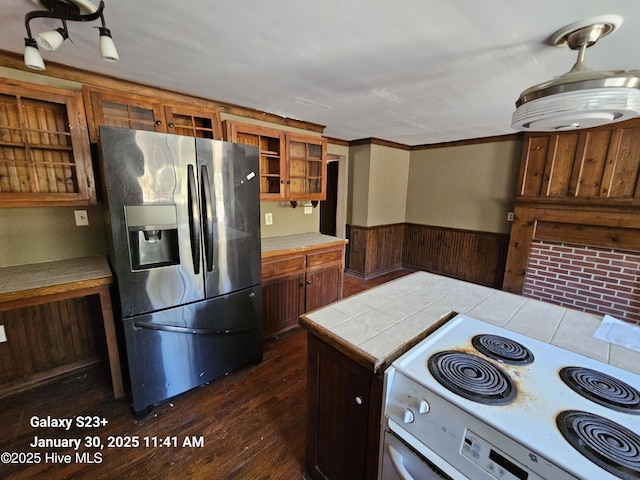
(175, 350)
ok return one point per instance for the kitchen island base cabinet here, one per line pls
(343, 419)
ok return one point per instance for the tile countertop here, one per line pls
(45, 278)
(376, 326)
(297, 242)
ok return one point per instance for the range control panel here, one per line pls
(487, 457)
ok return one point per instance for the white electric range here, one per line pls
(477, 401)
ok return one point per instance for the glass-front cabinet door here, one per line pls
(307, 167)
(270, 143)
(193, 122)
(139, 112)
(293, 166)
(116, 109)
(45, 159)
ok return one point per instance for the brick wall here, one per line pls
(592, 279)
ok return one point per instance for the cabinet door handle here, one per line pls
(171, 125)
(308, 282)
(359, 400)
(158, 122)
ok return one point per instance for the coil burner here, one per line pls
(472, 377)
(502, 349)
(609, 445)
(602, 389)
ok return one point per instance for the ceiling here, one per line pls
(409, 71)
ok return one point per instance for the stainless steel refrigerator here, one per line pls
(184, 244)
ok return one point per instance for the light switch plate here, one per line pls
(268, 219)
(3, 335)
(82, 219)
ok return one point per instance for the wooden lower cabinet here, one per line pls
(282, 302)
(343, 421)
(295, 283)
(324, 275)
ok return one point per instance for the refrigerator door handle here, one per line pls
(196, 331)
(194, 218)
(207, 215)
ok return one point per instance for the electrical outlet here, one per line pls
(3, 335)
(268, 219)
(510, 217)
(308, 210)
(82, 219)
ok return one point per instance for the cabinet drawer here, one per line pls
(323, 258)
(282, 266)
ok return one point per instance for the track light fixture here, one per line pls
(65, 10)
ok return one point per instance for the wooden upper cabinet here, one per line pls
(292, 166)
(599, 165)
(307, 157)
(116, 109)
(273, 163)
(139, 112)
(193, 121)
(45, 158)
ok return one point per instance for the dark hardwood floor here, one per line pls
(251, 423)
(353, 284)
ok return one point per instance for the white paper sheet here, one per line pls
(621, 333)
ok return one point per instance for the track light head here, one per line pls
(108, 49)
(52, 39)
(32, 57)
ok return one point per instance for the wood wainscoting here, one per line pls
(477, 257)
(49, 340)
(373, 251)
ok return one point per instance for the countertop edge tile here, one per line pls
(297, 243)
(534, 318)
(53, 276)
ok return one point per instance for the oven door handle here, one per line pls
(398, 463)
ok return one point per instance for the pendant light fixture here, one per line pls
(581, 98)
(64, 10)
